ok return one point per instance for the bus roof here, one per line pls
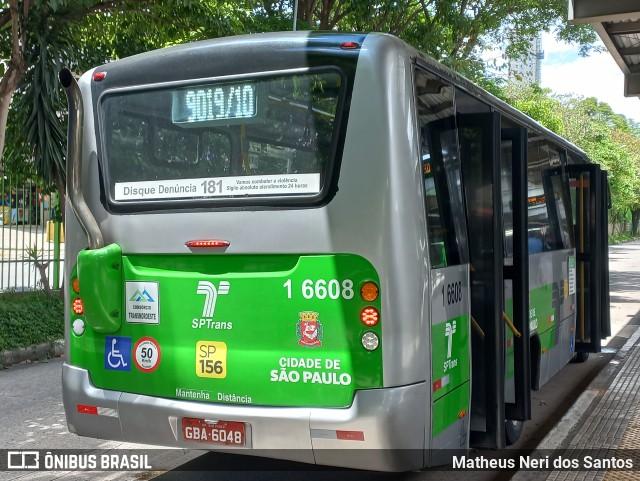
(285, 50)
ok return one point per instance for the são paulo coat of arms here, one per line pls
(309, 329)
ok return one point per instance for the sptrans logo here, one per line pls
(449, 331)
(211, 294)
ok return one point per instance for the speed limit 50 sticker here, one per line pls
(146, 354)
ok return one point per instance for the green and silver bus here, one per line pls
(322, 247)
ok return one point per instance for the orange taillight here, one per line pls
(369, 291)
(75, 285)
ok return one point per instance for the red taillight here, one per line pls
(208, 243)
(84, 409)
(349, 45)
(350, 435)
(369, 316)
(98, 76)
(77, 306)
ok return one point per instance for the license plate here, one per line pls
(225, 433)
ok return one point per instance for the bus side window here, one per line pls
(547, 208)
(441, 171)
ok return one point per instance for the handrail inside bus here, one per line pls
(74, 161)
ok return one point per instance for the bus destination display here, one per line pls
(211, 103)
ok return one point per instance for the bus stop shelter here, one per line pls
(618, 25)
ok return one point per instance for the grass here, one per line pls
(30, 318)
(620, 238)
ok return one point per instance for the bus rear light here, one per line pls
(77, 306)
(84, 409)
(98, 76)
(370, 341)
(75, 285)
(97, 410)
(370, 316)
(208, 243)
(369, 291)
(78, 327)
(350, 435)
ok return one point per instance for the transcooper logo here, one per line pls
(211, 293)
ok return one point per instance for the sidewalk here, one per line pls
(605, 420)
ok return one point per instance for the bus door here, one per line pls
(514, 184)
(479, 133)
(589, 205)
(448, 254)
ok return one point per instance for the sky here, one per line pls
(598, 75)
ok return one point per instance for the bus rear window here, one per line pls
(260, 137)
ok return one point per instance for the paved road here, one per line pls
(33, 418)
(32, 414)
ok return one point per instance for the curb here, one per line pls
(32, 353)
(561, 433)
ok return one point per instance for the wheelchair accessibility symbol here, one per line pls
(117, 353)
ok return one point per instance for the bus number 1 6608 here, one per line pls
(454, 293)
(321, 289)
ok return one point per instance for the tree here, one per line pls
(40, 37)
(452, 31)
(609, 139)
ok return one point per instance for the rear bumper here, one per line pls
(392, 422)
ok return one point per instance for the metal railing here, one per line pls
(30, 237)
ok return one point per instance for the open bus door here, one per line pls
(479, 139)
(493, 154)
(589, 205)
(514, 188)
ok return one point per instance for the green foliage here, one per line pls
(620, 238)
(31, 318)
(608, 138)
(452, 31)
(538, 104)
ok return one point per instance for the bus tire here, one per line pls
(513, 431)
(580, 357)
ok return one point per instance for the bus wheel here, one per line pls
(513, 430)
(580, 357)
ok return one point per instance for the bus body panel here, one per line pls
(552, 308)
(286, 433)
(269, 330)
(450, 358)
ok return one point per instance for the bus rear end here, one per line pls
(221, 312)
